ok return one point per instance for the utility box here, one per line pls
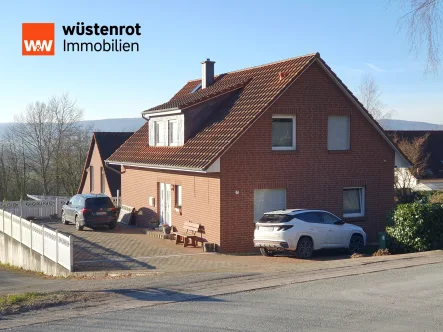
(382, 240)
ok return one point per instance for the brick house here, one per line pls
(97, 177)
(225, 149)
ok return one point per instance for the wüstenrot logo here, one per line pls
(38, 39)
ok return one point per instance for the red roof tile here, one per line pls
(260, 86)
(221, 86)
(252, 90)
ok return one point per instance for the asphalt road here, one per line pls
(24, 281)
(397, 300)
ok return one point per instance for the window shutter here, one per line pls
(338, 132)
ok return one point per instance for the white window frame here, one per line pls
(157, 133)
(362, 203)
(171, 132)
(294, 126)
(178, 195)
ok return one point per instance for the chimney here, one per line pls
(207, 73)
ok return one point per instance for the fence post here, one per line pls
(43, 241)
(21, 230)
(56, 246)
(56, 206)
(71, 252)
(30, 241)
(21, 207)
(11, 224)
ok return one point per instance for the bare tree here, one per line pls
(370, 96)
(15, 159)
(424, 24)
(5, 173)
(414, 150)
(42, 129)
(67, 115)
(72, 157)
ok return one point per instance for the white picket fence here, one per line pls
(27, 209)
(51, 244)
(40, 208)
(47, 198)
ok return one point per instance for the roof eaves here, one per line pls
(153, 166)
(150, 111)
(87, 161)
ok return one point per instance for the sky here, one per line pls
(353, 37)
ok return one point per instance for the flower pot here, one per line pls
(167, 229)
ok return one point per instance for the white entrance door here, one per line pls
(266, 200)
(165, 204)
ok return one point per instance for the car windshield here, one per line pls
(275, 218)
(99, 203)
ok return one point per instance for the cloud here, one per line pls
(376, 68)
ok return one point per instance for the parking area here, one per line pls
(128, 248)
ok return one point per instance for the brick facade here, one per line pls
(200, 198)
(312, 176)
(97, 164)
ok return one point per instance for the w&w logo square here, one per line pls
(38, 39)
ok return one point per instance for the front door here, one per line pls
(165, 204)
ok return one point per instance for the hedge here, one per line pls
(415, 227)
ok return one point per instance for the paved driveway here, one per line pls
(127, 248)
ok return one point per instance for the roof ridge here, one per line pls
(317, 54)
(112, 132)
(416, 130)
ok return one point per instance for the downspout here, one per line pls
(111, 168)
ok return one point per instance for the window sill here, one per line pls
(339, 151)
(284, 151)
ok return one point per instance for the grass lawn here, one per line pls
(18, 303)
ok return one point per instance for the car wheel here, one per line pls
(267, 252)
(77, 225)
(356, 244)
(112, 225)
(64, 221)
(305, 248)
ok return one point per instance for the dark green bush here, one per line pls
(415, 227)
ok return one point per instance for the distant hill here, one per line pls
(133, 124)
(409, 125)
(123, 124)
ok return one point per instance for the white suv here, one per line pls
(304, 231)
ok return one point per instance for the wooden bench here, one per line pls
(190, 235)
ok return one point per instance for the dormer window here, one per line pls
(166, 130)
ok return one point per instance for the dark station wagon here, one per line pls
(90, 210)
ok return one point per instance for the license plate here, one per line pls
(100, 213)
(267, 229)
